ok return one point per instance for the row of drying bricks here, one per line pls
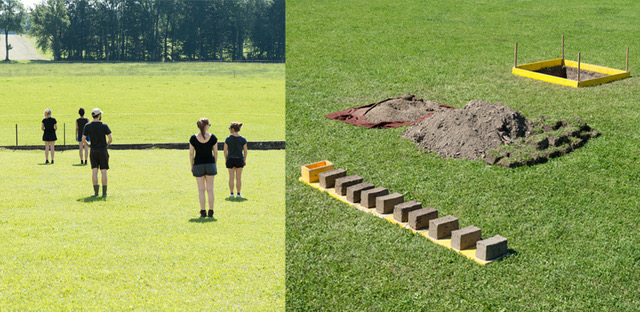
(412, 212)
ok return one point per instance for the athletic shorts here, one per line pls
(235, 163)
(204, 169)
(80, 139)
(99, 159)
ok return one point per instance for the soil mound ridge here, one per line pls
(469, 132)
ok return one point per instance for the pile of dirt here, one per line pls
(470, 131)
(405, 108)
(498, 135)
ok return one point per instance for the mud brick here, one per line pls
(328, 178)
(419, 219)
(368, 197)
(344, 182)
(385, 204)
(354, 191)
(491, 248)
(442, 227)
(401, 211)
(465, 238)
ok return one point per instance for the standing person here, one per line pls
(80, 123)
(49, 126)
(203, 154)
(99, 155)
(235, 153)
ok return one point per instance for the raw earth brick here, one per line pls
(419, 219)
(344, 182)
(491, 248)
(466, 237)
(442, 227)
(368, 197)
(353, 192)
(385, 204)
(401, 211)
(328, 178)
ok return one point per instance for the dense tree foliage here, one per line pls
(12, 16)
(161, 30)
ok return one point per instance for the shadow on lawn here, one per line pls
(203, 220)
(235, 199)
(91, 199)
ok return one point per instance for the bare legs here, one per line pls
(235, 175)
(49, 146)
(205, 184)
(86, 152)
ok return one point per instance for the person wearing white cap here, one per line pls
(98, 132)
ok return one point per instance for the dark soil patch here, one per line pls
(570, 73)
(405, 108)
(498, 135)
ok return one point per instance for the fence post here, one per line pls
(64, 126)
(16, 134)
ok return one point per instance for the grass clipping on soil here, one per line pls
(498, 135)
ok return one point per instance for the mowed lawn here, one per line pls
(571, 223)
(143, 102)
(144, 247)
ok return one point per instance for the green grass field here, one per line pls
(572, 223)
(143, 102)
(144, 247)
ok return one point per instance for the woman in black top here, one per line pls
(80, 123)
(235, 153)
(203, 153)
(49, 126)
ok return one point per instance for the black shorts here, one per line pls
(235, 163)
(99, 159)
(201, 170)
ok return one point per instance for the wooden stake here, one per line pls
(562, 50)
(515, 58)
(16, 134)
(627, 67)
(578, 66)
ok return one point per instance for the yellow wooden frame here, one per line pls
(529, 71)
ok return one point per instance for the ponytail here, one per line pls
(202, 123)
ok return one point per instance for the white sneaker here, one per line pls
(231, 196)
(239, 196)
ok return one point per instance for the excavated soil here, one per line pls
(570, 73)
(498, 134)
(405, 108)
(470, 131)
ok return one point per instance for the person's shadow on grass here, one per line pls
(203, 220)
(79, 165)
(91, 199)
(235, 199)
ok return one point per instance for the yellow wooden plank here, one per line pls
(594, 68)
(545, 78)
(539, 65)
(601, 80)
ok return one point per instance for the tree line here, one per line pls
(152, 30)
